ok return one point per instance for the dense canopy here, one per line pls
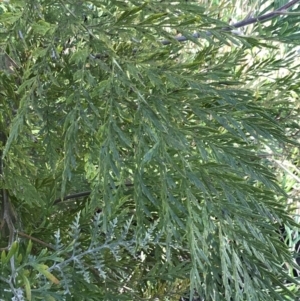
(139, 142)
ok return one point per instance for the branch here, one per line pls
(265, 17)
(8, 216)
(245, 22)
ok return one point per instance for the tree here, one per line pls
(134, 169)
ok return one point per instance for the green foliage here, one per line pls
(167, 142)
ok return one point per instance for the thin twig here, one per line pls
(22, 234)
(80, 195)
(295, 177)
(72, 196)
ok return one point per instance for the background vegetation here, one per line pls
(135, 166)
